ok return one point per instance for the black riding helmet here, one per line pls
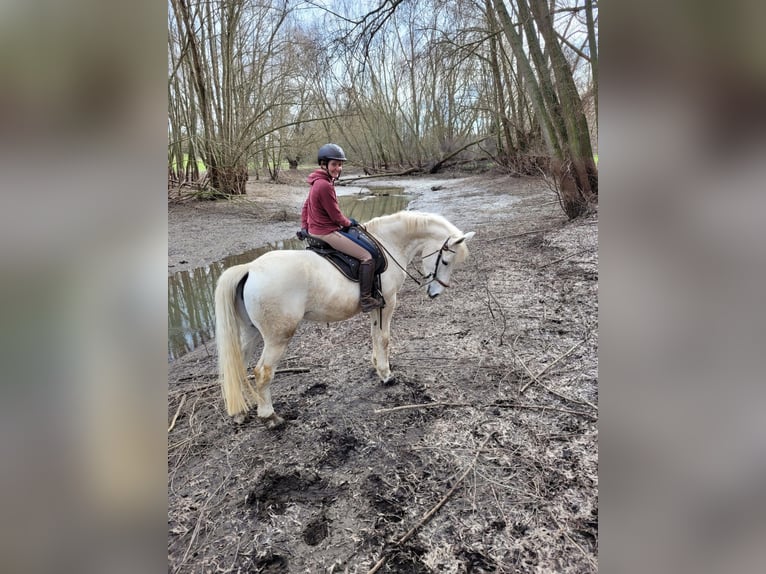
(330, 151)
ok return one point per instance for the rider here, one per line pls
(322, 218)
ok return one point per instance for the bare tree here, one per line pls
(403, 87)
(552, 90)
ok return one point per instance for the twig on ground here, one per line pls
(523, 364)
(180, 443)
(178, 411)
(564, 258)
(551, 391)
(512, 405)
(588, 557)
(569, 399)
(500, 309)
(500, 404)
(195, 389)
(522, 234)
(536, 378)
(216, 383)
(197, 526)
(430, 514)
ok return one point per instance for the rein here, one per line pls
(441, 250)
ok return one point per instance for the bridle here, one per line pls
(435, 272)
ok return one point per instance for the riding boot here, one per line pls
(366, 275)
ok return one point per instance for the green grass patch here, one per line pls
(200, 164)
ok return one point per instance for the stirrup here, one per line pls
(369, 304)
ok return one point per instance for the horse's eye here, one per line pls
(445, 263)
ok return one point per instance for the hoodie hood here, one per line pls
(319, 173)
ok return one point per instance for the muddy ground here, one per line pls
(481, 457)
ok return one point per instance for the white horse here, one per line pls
(279, 289)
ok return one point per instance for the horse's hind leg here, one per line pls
(264, 374)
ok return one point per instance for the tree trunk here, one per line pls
(530, 80)
(558, 106)
(506, 149)
(228, 180)
(578, 148)
(593, 47)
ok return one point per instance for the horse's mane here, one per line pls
(415, 221)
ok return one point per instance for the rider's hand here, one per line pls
(302, 234)
(354, 222)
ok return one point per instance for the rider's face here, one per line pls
(334, 168)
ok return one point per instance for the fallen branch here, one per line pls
(564, 258)
(420, 406)
(178, 410)
(500, 404)
(512, 405)
(440, 163)
(523, 233)
(430, 514)
(377, 175)
(195, 389)
(216, 383)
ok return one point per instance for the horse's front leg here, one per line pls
(380, 329)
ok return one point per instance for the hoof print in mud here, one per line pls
(275, 490)
(340, 446)
(316, 531)
(271, 564)
(475, 561)
(315, 389)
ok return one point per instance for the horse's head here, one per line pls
(440, 260)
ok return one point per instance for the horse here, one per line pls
(275, 292)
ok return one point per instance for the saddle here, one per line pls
(346, 264)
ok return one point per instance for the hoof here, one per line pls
(273, 422)
(240, 418)
(389, 382)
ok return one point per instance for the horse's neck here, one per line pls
(404, 241)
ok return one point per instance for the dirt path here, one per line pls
(350, 474)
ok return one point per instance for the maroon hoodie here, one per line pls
(321, 214)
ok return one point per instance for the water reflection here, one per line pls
(190, 293)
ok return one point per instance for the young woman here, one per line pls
(322, 218)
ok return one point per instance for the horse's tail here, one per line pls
(228, 324)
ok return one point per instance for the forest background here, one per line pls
(403, 87)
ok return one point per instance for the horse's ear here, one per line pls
(465, 237)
